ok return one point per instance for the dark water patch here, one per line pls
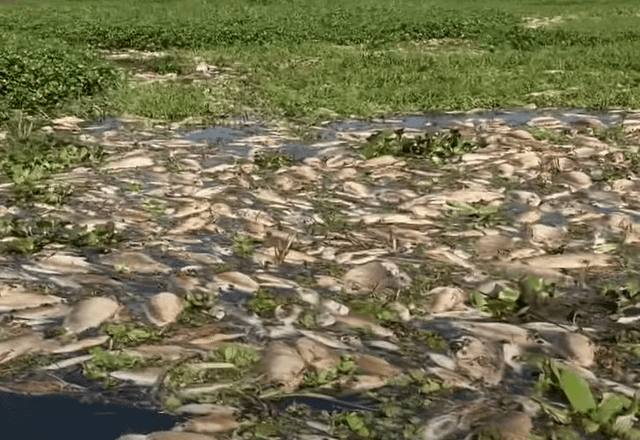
(553, 219)
(326, 403)
(514, 210)
(230, 140)
(53, 417)
(444, 327)
(235, 297)
(299, 151)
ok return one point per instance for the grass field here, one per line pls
(311, 60)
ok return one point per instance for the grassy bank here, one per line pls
(299, 58)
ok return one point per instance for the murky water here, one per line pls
(53, 417)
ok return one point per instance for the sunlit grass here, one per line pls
(306, 59)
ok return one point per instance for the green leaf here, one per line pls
(576, 388)
(509, 295)
(534, 284)
(590, 426)
(610, 405)
(478, 300)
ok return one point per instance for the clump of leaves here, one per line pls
(197, 307)
(104, 362)
(272, 160)
(356, 422)
(124, 335)
(438, 148)
(477, 215)
(433, 340)
(30, 158)
(263, 303)
(307, 321)
(625, 292)
(426, 384)
(42, 76)
(200, 300)
(243, 245)
(228, 364)
(613, 414)
(318, 378)
(238, 355)
(374, 310)
(535, 290)
(557, 137)
(504, 304)
(29, 235)
(530, 291)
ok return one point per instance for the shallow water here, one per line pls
(233, 141)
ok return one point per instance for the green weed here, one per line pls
(374, 310)
(612, 414)
(432, 340)
(25, 236)
(243, 245)
(478, 215)
(238, 355)
(103, 362)
(272, 160)
(30, 159)
(124, 335)
(328, 376)
(554, 137)
(436, 148)
(530, 290)
(263, 303)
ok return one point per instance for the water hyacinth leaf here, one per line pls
(478, 300)
(576, 389)
(533, 284)
(236, 354)
(590, 426)
(610, 405)
(565, 433)
(509, 295)
(357, 424)
(430, 385)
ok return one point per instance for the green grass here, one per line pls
(307, 59)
